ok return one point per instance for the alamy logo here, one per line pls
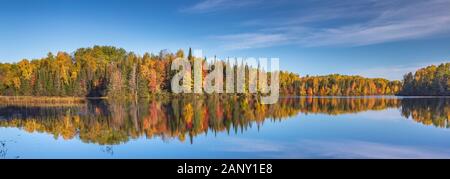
(249, 75)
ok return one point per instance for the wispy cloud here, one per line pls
(336, 148)
(252, 40)
(215, 5)
(365, 149)
(367, 22)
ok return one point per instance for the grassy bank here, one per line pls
(33, 100)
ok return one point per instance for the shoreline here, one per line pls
(83, 99)
(42, 100)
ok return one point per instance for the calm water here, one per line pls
(372, 127)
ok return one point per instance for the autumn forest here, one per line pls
(106, 71)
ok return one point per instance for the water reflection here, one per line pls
(428, 111)
(108, 123)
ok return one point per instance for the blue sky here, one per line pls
(373, 38)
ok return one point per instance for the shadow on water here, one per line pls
(107, 123)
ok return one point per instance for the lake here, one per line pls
(230, 127)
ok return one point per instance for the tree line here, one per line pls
(336, 85)
(106, 71)
(88, 72)
(429, 81)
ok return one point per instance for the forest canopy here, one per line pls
(106, 71)
(430, 81)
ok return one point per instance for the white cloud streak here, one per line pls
(252, 40)
(215, 5)
(383, 22)
(365, 149)
(337, 148)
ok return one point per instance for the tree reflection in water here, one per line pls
(428, 111)
(107, 123)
